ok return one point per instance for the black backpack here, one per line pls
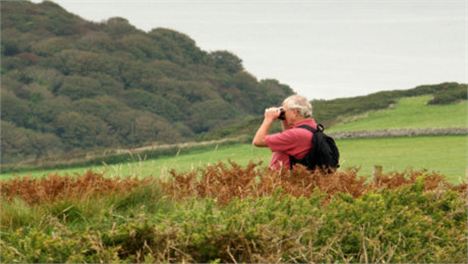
(324, 153)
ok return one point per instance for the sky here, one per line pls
(321, 49)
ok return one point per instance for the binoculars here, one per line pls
(282, 115)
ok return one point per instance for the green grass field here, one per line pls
(446, 155)
(161, 167)
(409, 112)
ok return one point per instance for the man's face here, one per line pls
(289, 115)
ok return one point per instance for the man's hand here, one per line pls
(272, 113)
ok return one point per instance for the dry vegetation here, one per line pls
(55, 187)
(229, 213)
(221, 181)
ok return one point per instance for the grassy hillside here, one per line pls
(408, 112)
(446, 101)
(330, 111)
(446, 155)
(70, 86)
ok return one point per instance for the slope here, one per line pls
(408, 112)
(445, 102)
(71, 85)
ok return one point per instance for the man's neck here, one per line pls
(295, 122)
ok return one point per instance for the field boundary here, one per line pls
(400, 133)
(113, 156)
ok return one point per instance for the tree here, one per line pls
(19, 143)
(84, 63)
(178, 47)
(208, 114)
(61, 24)
(198, 91)
(122, 125)
(44, 76)
(46, 111)
(9, 47)
(12, 63)
(109, 84)
(243, 88)
(141, 47)
(82, 130)
(14, 109)
(100, 106)
(149, 128)
(97, 41)
(132, 73)
(145, 101)
(14, 143)
(117, 26)
(170, 70)
(50, 46)
(77, 87)
(274, 92)
(227, 61)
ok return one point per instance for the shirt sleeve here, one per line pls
(281, 142)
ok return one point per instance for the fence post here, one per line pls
(377, 172)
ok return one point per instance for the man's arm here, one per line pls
(262, 132)
(271, 114)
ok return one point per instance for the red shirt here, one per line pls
(294, 141)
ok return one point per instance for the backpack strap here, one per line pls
(293, 160)
(307, 127)
(320, 128)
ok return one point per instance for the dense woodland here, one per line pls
(70, 85)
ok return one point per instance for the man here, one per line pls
(292, 141)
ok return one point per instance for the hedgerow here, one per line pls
(228, 213)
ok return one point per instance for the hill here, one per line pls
(71, 85)
(407, 113)
(330, 111)
(443, 103)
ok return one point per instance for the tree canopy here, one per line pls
(73, 85)
(69, 84)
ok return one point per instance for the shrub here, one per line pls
(450, 94)
(228, 213)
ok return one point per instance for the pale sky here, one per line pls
(322, 49)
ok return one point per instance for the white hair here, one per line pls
(299, 103)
